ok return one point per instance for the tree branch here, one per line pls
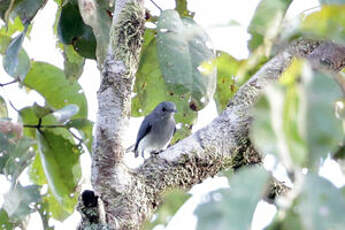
(131, 196)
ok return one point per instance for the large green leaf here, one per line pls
(233, 208)
(16, 62)
(227, 67)
(328, 23)
(17, 201)
(266, 21)
(100, 19)
(72, 30)
(51, 83)
(151, 89)
(60, 161)
(186, 61)
(320, 205)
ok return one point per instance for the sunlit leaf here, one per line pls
(328, 23)
(3, 108)
(235, 206)
(181, 8)
(227, 67)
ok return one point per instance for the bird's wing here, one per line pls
(144, 129)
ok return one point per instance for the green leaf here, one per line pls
(320, 205)
(3, 8)
(17, 201)
(73, 63)
(15, 155)
(297, 122)
(151, 89)
(233, 207)
(84, 127)
(41, 111)
(325, 131)
(330, 2)
(72, 30)
(3, 108)
(186, 61)
(66, 113)
(16, 62)
(227, 67)
(60, 161)
(51, 208)
(26, 9)
(172, 201)
(328, 23)
(181, 8)
(51, 83)
(4, 42)
(262, 134)
(13, 26)
(289, 220)
(266, 21)
(100, 19)
(5, 222)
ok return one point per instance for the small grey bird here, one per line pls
(156, 130)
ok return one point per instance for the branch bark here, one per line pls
(131, 196)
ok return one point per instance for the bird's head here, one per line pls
(166, 109)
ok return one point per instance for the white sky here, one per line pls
(212, 15)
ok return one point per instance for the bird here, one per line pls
(156, 130)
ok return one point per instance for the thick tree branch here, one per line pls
(131, 196)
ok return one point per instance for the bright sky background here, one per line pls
(214, 16)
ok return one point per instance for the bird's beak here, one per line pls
(175, 110)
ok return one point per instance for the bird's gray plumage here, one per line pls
(156, 130)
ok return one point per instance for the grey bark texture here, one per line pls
(130, 197)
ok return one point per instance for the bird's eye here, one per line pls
(164, 109)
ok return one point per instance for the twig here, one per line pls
(43, 126)
(8, 83)
(81, 141)
(155, 4)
